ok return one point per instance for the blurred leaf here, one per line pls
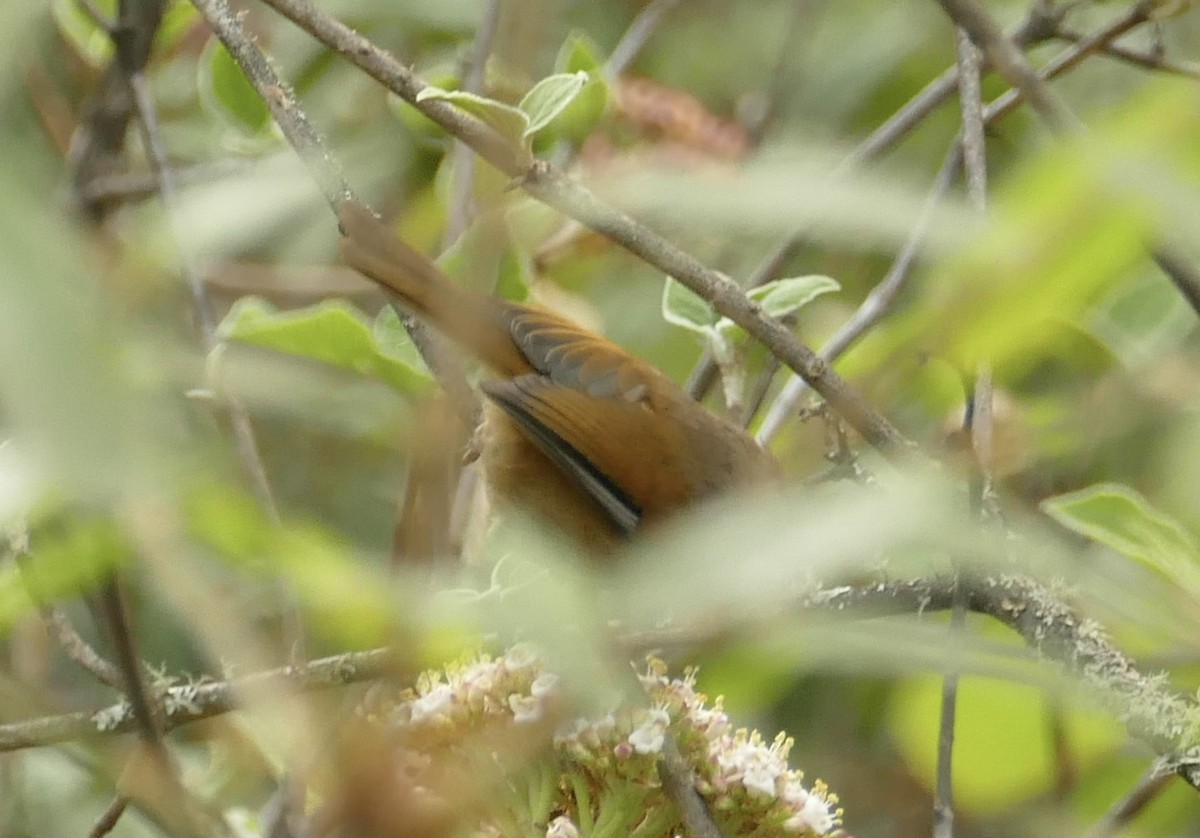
(1120, 518)
(348, 600)
(781, 297)
(579, 53)
(226, 89)
(330, 332)
(68, 555)
(482, 259)
(1066, 228)
(442, 76)
(1003, 754)
(783, 190)
(549, 98)
(94, 45)
(394, 340)
(1141, 319)
(91, 42)
(682, 306)
(510, 122)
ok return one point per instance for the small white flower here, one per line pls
(562, 827)
(525, 708)
(479, 677)
(570, 731)
(649, 735)
(434, 704)
(520, 656)
(760, 775)
(544, 684)
(814, 816)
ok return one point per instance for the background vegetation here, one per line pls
(198, 401)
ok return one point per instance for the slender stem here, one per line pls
(551, 186)
(644, 25)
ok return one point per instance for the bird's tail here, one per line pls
(470, 319)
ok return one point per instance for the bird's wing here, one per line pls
(587, 407)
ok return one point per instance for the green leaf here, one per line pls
(1120, 518)
(579, 53)
(91, 42)
(549, 98)
(331, 332)
(781, 297)
(1002, 754)
(393, 340)
(71, 554)
(226, 89)
(509, 121)
(345, 598)
(683, 307)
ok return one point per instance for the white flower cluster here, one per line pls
(604, 777)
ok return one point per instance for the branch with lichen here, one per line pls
(1149, 708)
(1146, 704)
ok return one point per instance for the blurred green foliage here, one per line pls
(119, 451)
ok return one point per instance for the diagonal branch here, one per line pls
(551, 186)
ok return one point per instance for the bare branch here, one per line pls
(193, 702)
(326, 171)
(1153, 783)
(544, 182)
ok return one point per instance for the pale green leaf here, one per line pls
(683, 307)
(331, 332)
(1120, 518)
(509, 121)
(549, 98)
(225, 88)
(782, 297)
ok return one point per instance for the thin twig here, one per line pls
(1008, 61)
(97, 148)
(458, 216)
(644, 25)
(973, 142)
(109, 817)
(327, 173)
(679, 784)
(1054, 111)
(165, 791)
(123, 187)
(567, 195)
(194, 702)
(1153, 783)
(877, 304)
(16, 545)
(1140, 58)
(975, 168)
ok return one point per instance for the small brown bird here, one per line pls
(577, 430)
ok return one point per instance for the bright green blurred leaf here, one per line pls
(1141, 319)
(1064, 230)
(683, 307)
(508, 121)
(346, 599)
(1003, 753)
(330, 332)
(225, 87)
(66, 558)
(781, 297)
(549, 98)
(92, 43)
(579, 53)
(1118, 517)
(95, 46)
